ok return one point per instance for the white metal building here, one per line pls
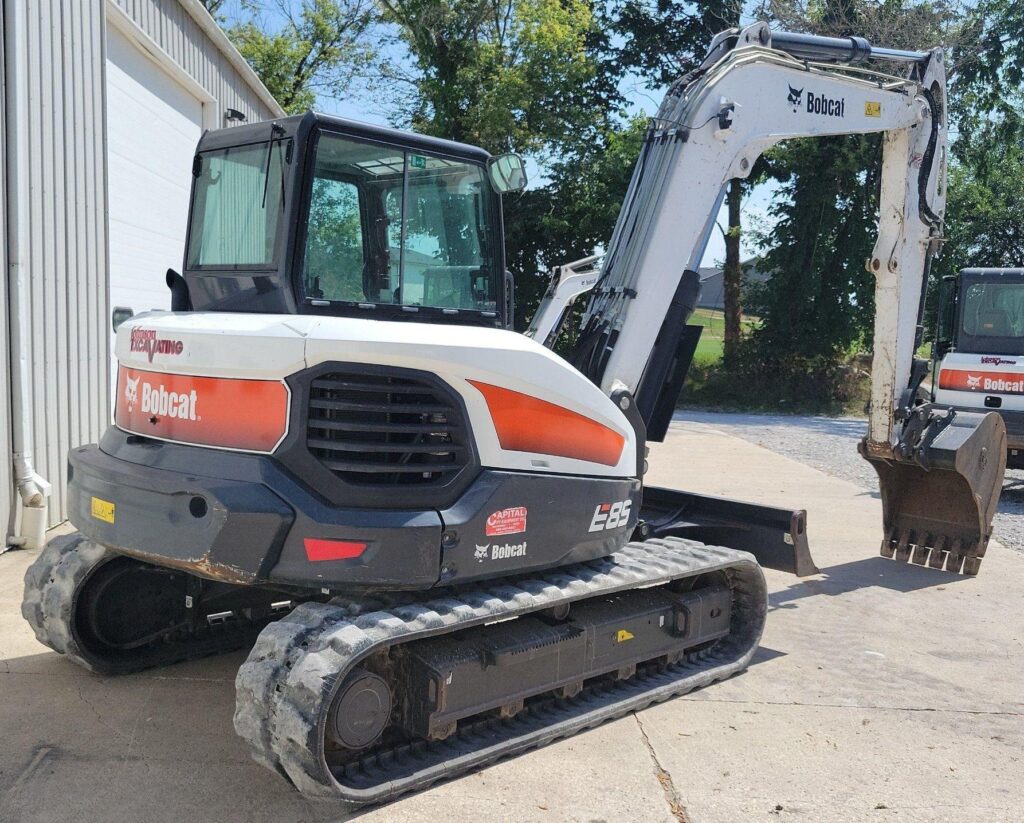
(104, 102)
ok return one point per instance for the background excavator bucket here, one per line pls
(940, 494)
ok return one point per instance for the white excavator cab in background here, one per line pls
(979, 349)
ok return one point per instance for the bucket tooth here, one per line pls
(940, 483)
(955, 558)
(903, 547)
(972, 565)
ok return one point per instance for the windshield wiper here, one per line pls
(276, 133)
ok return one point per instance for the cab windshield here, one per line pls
(389, 226)
(992, 318)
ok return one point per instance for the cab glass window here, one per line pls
(239, 194)
(393, 227)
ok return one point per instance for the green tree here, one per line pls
(510, 75)
(320, 48)
(984, 212)
(574, 213)
(819, 302)
(662, 42)
(213, 6)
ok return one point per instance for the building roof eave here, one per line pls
(210, 26)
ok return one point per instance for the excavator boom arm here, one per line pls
(755, 89)
(712, 129)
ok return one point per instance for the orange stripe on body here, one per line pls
(527, 424)
(233, 413)
(992, 382)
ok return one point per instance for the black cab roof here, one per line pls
(300, 125)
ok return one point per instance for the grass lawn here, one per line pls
(709, 349)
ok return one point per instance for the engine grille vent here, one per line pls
(383, 430)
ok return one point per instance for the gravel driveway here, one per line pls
(829, 444)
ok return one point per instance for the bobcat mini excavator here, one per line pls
(437, 526)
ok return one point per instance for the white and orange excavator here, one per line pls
(435, 529)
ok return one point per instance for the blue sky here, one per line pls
(640, 100)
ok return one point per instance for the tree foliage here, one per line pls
(321, 47)
(985, 210)
(509, 75)
(819, 304)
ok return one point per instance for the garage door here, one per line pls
(153, 125)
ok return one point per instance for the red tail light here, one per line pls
(317, 550)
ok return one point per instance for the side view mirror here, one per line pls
(507, 173)
(119, 315)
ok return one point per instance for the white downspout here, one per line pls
(33, 490)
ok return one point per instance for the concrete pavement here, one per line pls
(881, 692)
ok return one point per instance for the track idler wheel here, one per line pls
(360, 712)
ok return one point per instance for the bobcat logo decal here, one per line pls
(794, 98)
(481, 552)
(131, 392)
(973, 382)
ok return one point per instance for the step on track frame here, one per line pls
(285, 688)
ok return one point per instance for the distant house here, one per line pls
(712, 283)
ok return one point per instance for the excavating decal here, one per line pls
(147, 341)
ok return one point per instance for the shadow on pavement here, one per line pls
(859, 574)
(765, 655)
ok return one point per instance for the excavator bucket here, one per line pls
(940, 486)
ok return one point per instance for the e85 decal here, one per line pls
(609, 516)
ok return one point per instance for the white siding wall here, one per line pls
(6, 479)
(174, 29)
(54, 68)
(61, 86)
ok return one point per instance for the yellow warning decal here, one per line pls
(103, 510)
(872, 108)
(621, 636)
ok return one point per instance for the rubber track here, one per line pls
(285, 687)
(51, 584)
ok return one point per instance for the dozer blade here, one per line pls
(940, 486)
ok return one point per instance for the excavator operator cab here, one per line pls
(982, 312)
(979, 349)
(314, 214)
